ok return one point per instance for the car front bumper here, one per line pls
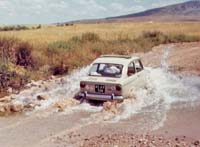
(100, 97)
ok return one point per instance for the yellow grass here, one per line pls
(106, 31)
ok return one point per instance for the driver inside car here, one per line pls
(111, 69)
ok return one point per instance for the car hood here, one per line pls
(102, 79)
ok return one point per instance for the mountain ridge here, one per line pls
(189, 10)
(186, 11)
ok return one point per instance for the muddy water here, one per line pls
(147, 110)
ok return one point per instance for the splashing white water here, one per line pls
(54, 90)
(163, 89)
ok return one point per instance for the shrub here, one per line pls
(7, 49)
(59, 69)
(76, 39)
(60, 24)
(90, 37)
(6, 75)
(16, 28)
(16, 51)
(151, 34)
(24, 55)
(39, 26)
(173, 38)
(156, 37)
(57, 51)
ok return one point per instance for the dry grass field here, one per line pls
(107, 31)
(39, 53)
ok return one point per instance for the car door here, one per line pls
(134, 80)
(129, 81)
(140, 81)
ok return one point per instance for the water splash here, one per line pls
(153, 102)
(55, 90)
(164, 57)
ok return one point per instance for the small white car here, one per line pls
(113, 77)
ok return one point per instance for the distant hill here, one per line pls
(187, 11)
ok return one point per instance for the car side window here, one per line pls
(131, 69)
(93, 68)
(138, 65)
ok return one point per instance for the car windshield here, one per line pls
(106, 70)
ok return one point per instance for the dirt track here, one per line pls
(47, 128)
(184, 58)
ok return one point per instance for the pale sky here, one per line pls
(52, 11)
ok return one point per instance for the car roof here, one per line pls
(116, 59)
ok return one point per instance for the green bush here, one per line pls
(90, 37)
(12, 28)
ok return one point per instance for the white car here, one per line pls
(113, 77)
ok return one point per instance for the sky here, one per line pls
(52, 11)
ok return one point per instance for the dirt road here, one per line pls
(164, 114)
